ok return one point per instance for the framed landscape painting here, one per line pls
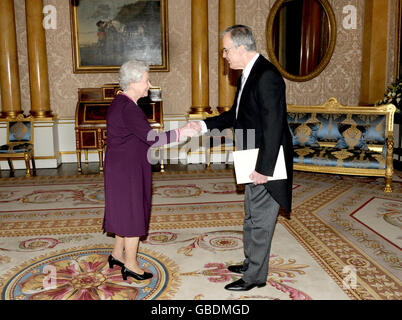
(107, 33)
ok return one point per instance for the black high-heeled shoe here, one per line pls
(128, 273)
(112, 261)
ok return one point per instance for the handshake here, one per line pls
(190, 129)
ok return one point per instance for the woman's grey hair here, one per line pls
(132, 71)
(241, 36)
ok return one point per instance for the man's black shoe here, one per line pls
(241, 285)
(236, 269)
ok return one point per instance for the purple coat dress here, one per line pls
(127, 171)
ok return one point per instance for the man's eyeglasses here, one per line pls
(226, 50)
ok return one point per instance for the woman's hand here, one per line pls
(190, 129)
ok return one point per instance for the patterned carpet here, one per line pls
(343, 241)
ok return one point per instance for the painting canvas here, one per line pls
(107, 33)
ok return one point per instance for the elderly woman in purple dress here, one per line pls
(128, 174)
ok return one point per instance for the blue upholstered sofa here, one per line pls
(338, 139)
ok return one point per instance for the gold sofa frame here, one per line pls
(332, 106)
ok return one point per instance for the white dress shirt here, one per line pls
(244, 77)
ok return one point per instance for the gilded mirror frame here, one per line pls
(328, 55)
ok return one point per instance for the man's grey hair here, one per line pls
(132, 71)
(241, 36)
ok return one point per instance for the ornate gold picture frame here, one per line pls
(107, 33)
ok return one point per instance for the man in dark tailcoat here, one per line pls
(259, 109)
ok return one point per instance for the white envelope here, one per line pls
(244, 164)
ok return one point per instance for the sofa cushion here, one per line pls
(333, 157)
(375, 127)
(328, 131)
(352, 137)
(16, 148)
(304, 134)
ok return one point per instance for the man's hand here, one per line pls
(190, 129)
(258, 178)
(196, 125)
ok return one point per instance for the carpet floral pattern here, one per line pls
(343, 240)
(85, 275)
